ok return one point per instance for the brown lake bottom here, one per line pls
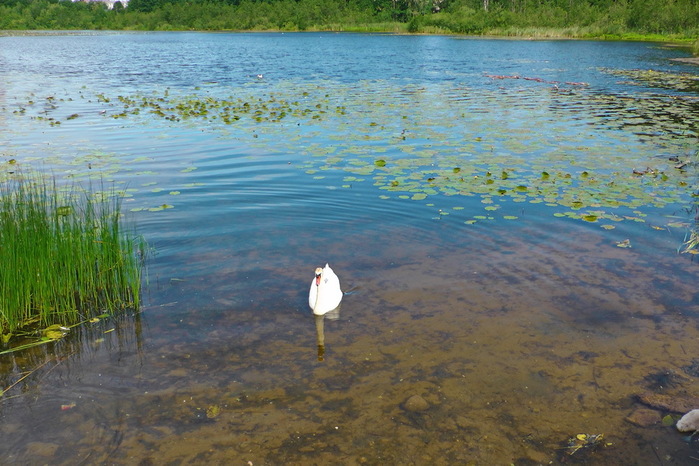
(496, 355)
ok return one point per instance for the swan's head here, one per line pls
(319, 273)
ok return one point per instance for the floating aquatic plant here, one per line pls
(659, 79)
(587, 154)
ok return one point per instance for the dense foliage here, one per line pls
(581, 18)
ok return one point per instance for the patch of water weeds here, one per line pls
(66, 259)
(580, 153)
(601, 156)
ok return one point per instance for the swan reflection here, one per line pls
(320, 334)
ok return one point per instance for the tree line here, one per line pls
(575, 18)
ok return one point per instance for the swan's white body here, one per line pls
(325, 294)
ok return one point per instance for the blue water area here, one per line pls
(507, 217)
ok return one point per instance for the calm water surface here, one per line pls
(472, 195)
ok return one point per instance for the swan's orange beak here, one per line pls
(317, 279)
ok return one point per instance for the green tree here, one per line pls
(144, 6)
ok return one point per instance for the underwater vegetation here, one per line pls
(66, 257)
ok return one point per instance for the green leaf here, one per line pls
(64, 211)
(669, 420)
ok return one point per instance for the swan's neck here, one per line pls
(317, 297)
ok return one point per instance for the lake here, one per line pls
(508, 220)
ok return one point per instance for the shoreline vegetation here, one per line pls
(650, 20)
(66, 259)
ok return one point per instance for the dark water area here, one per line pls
(507, 220)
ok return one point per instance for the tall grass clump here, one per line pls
(63, 255)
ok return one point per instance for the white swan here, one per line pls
(325, 294)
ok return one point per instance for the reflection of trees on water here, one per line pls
(21, 371)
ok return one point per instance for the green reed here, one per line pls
(64, 256)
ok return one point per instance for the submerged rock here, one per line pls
(692, 369)
(689, 422)
(644, 417)
(672, 403)
(415, 404)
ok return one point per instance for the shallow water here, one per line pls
(471, 194)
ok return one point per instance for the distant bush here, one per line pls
(678, 18)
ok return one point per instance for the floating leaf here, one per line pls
(161, 207)
(55, 334)
(213, 411)
(380, 163)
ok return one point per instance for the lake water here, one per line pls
(506, 217)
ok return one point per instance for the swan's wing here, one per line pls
(332, 281)
(331, 293)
